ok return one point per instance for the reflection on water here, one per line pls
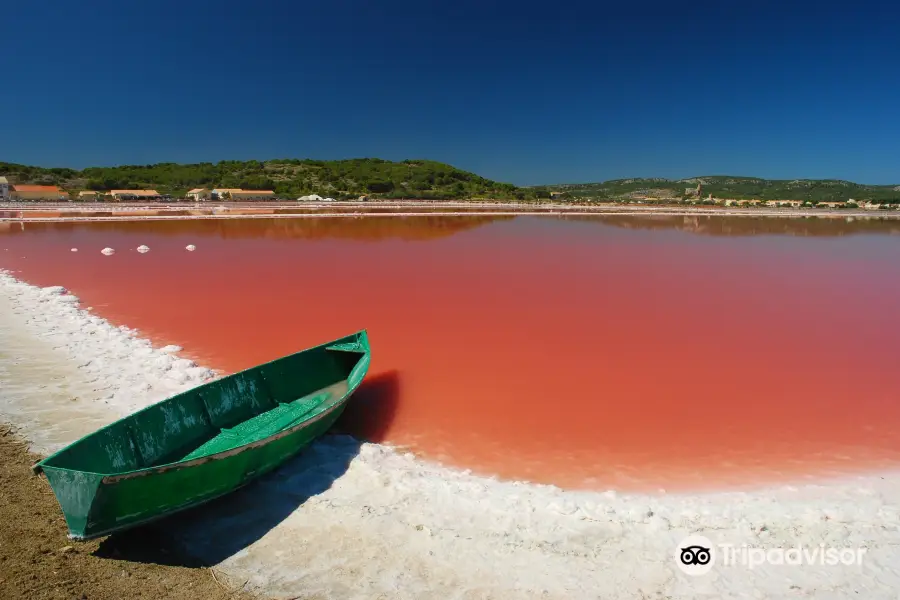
(431, 227)
(11, 226)
(735, 226)
(405, 228)
(592, 353)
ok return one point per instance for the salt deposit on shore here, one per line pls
(124, 372)
(350, 520)
(44, 212)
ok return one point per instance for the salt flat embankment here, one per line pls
(66, 212)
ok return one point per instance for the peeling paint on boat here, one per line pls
(227, 453)
(116, 450)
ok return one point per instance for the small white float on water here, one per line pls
(74, 249)
(107, 251)
(190, 247)
(143, 249)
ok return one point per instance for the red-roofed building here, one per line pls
(252, 194)
(120, 195)
(37, 192)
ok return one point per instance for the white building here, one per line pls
(198, 194)
(4, 189)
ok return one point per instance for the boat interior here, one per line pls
(227, 413)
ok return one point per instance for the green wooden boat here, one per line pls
(205, 442)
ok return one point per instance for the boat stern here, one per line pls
(77, 493)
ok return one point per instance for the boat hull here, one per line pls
(163, 475)
(120, 503)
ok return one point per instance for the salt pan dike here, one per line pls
(67, 212)
(357, 520)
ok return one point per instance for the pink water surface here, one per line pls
(623, 351)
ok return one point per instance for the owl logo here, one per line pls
(695, 555)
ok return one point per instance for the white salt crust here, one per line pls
(350, 520)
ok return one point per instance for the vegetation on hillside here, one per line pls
(288, 178)
(423, 179)
(737, 188)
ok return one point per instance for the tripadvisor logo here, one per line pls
(696, 555)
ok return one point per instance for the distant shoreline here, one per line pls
(66, 212)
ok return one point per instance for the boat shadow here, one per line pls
(208, 534)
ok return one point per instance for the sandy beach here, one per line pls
(37, 562)
(360, 520)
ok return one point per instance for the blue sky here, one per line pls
(519, 91)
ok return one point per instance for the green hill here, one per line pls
(422, 179)
(730, 187)
(289, 178)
